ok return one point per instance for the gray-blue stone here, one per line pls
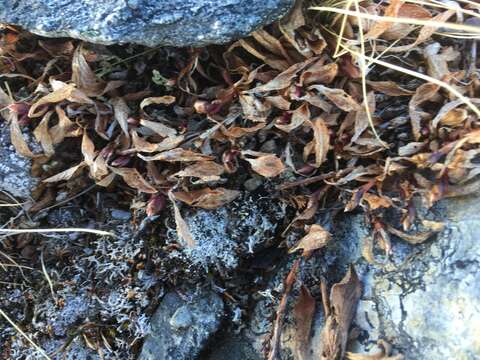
(146, 22)
(182, 325)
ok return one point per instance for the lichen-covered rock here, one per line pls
(182, 325)
(147, 22)
(15, 177)
(237, 231)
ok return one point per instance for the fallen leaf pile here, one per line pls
(386, 114)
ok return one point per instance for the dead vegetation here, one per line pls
(364, 105)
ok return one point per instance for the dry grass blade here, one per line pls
(22, 333)
(416, 74)
(60, 230)
(401, 20)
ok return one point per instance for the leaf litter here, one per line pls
(337, 108)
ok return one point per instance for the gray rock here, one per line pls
(146, 22)
(182, 326)
(15, 177)
(427, 304)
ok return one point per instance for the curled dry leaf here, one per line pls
(319, 73)
(182, 227)
(298, 117)
(42, 135)
(344, 298)
(423, 93)
(284, 79)
(449, 115)
(159, 128)
(320, 142)
(177, 155)
(121, 112)
(316, 238)
(64, 128)
(376, 202)
(134, 179)
(159, 100)
(425, 33)
(84, 77)
(61, 92)
(156, 204)
(254, 109)
(379, 27)
(266, 165)
(17, 139)
(399, 31)
(205, 171)
(385, 353)
(337, 96)
(66, 174)
(389, 88)
(207, 198)
(416, 238)
(303, 312)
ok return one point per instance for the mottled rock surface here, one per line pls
(146, 22)
(182, 325)
(15, 177)
(428, 306)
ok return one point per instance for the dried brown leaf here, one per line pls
(267, 165)
(423, 93)
(134, 179)
(205, 171)
(284, 79)
(207, 198)
(17, 139)
(299, 116)
(400, 31)
(425, 33)
(380, 27)
(177, 155)
(319, 73)
(344, 298)
(321, 140)
(390, 88)
(316, 238)
(64, 128)
(66, 174)
(61, 92)
(377, 202)
(121, 112)
(84, 77)
(159, 128)
(159, 100)
(182, 228)
(303, 313)
(339, 97)
(42, 135)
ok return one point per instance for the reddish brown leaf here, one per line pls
(207, 198)
(134, 179)
(303, 312)
(316, 238)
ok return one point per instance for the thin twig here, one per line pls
(20, 331)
